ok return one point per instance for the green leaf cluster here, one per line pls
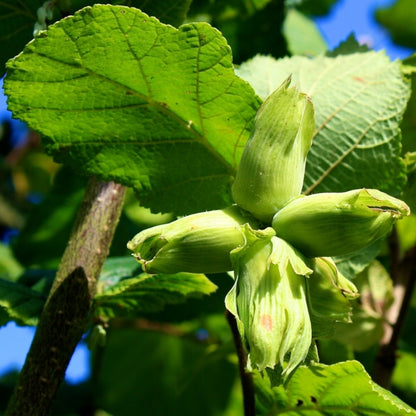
(159, 109)
(118, 94)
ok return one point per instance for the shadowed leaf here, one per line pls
(125, 291)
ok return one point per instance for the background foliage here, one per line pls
(175, 135)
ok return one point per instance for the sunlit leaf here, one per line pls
(359, 101)
(18, 18)
(151, 106)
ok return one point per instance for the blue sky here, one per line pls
(358, 16)
(14, 345)
(346, 17)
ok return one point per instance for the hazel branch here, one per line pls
(65, 316)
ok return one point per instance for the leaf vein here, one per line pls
(340, 159)
(138, 60)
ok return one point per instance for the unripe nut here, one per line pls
(269, 301)
(198, 243)
(272, 166)
(334, 224)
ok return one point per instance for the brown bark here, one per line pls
(65, 316)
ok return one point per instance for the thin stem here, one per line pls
(403, 273)
(65, 316)
(245, 376)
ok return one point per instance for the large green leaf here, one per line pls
(339, 389)
(151, 106)
(125, 291)
(359, 101)
(18, 18)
